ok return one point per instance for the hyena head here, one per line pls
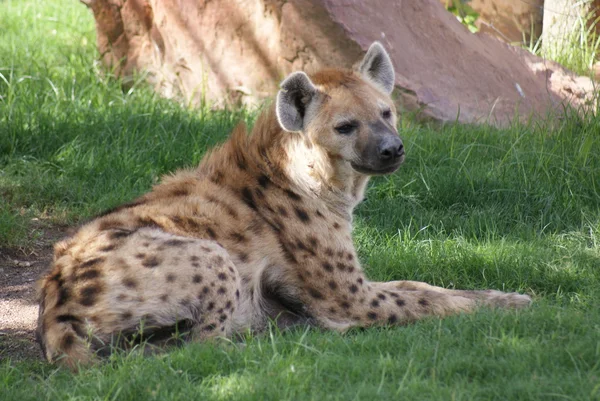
(347, 114)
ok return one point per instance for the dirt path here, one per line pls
(19, 272)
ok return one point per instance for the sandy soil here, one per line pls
(19, 271)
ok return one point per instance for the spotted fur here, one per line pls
(259, 231)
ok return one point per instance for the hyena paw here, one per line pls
(501, 299)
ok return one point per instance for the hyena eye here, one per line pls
(386, 114)
(346, 128)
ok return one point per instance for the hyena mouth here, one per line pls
(388, 169)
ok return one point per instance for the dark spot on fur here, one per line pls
(228, 305)
(174, 242)
(129, 282)
(211, 233)
(205, 289)
(353, 289)
(108, 248)
(117, 234)
(91, 262)
(217, 177)
(345, 304)
(180, 192)
(209, 327)
(372, 315)
(121, 297)
(205, 249)
(349, 256)
(381, 296)
(243, 257)
(392, 319)
(210, 306)
(222, 276)
(237, 294)
(237, 237)
(313, 241)
(263, 181)
(336, 225)
(328, 251)
(327, 266)
(292, 195)
(140, 255)
(282, 211)
(375, 303)
(359, 280)
(248, 198)
(222, 318)
(423, 302)
(400, 302)
(315, 293)
(89, 274)
(63, 295)
(89, 295)
(145, 222)
(164, 297)
(221, 290)
(65, 318)
(302, 215)
(197, 278)
(332, 285)
(126, 315)
(319, 214)
(151, 261)
(241, 163)
(67, 342)
(170, 277)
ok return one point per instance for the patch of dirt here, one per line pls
(20, 270)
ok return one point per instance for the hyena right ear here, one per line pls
(296, 93)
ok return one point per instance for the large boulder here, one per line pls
(514, 21)
(237, 51)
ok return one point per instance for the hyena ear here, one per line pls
(296, 93)
(377, 67)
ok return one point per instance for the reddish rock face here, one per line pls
(513, 21)
(237, 51)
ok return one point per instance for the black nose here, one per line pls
(391, 149)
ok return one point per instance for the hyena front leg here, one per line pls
(492, 298)
(376, 303)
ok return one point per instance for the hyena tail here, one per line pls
(62, 336)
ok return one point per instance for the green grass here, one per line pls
(473, 207)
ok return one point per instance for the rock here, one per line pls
(513, 21)
(237, 51)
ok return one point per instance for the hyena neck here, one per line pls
(315, 173)
(290, 161)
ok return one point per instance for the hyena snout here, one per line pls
(390, 149)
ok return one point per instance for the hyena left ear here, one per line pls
(296, 93)
(377, 67)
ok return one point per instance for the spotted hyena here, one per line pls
(259, 231)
